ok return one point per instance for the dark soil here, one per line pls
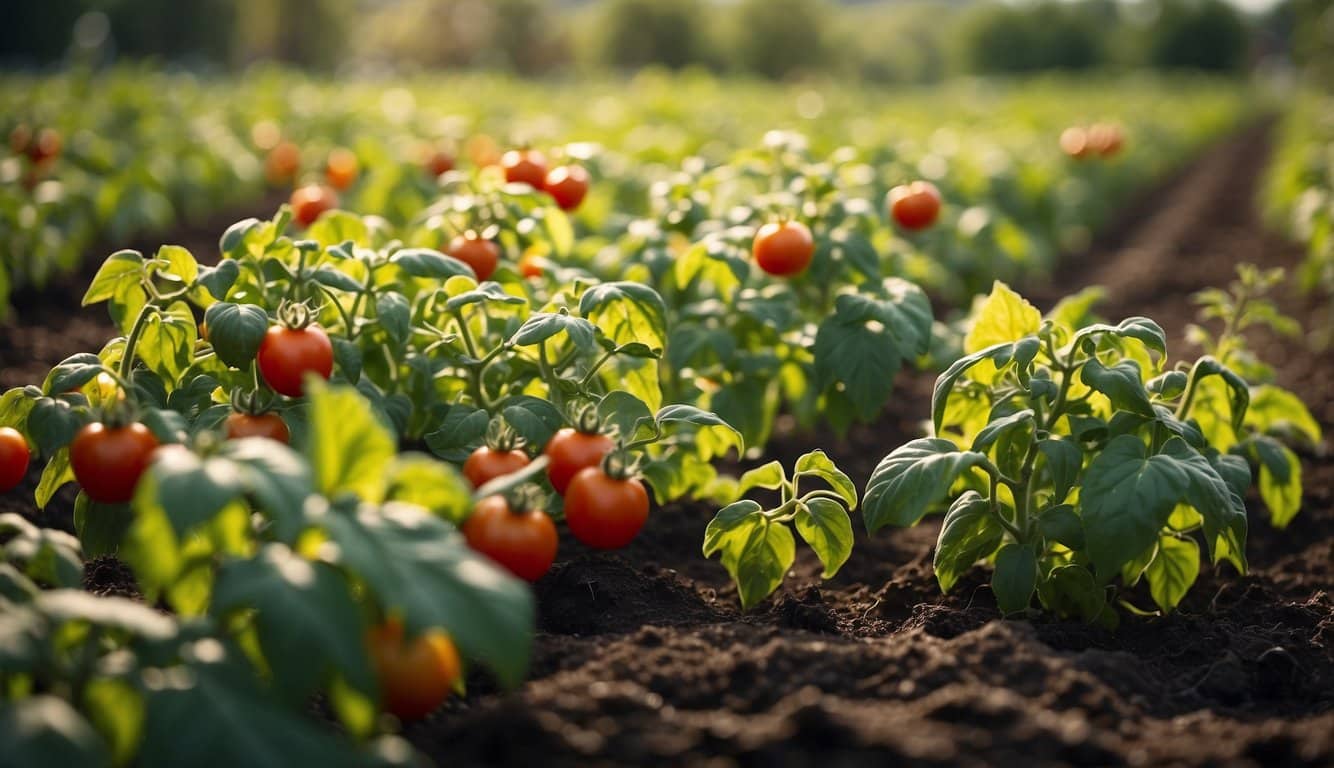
(644, 658)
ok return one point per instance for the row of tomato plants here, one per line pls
(1299, 189)
(100, 157)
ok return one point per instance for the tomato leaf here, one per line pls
(911, 479)
(236, 331)
(1172, 571)
(1015, 578)
(969, 533)
(824, 525)
(348, 448)
(44, 730)
(817, 464)
(1121, 383)
(415, 563)
(122, 269)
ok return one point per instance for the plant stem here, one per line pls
(132, 341)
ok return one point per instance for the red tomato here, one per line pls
(485, 465)
(14, 457)
(570, 451)
(269, 425)
(567, 185)
(914, 206)
(523, 542)
(286, 355)
(310, 201)
(603, 512)
(783, 248)
(477, 252)
(527, 166)
(1075, 142)
(46, 147)
(282, 163)
(437, 161)
(414, 677)
(341, 169)
(108, 461)
(531, 266)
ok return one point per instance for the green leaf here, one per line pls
(116, 613)
(1015, 578)
(167, 343)
(1061, 524)
(1064, 460)
(424, 262)
(52, 424)
(824, 525)
(122, 269)
(911, 479)
(1003, 317)
(1215, 487)
(1280, 481)
(418, 479)
(1121, 383)
(628, 312)
(275, 477)
(817, 464)
(1021, 353)
(101, 527)
(970, 532)
(335, 278)
(214, 714)
(1126, 499)
(418, 564)
(541, 326)
(178, 262)
(762, 562)
(1019, 421)
(56, 474)
(861, 347)
(729, 530)
(1173, 571)
(335, 227)
(71, 373)
(218, 280)
(1239, 393)
(689, 414)
(771, 476)
(1141, 328)
(1070, 590)
(623, 411)
(534, 419)
(349, 449)
(309, 625)
(394, 315)
(460, 431)
(236, 331)
(44, 730)
(1276, 410)
(116, 709)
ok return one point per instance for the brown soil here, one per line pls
(644, 658)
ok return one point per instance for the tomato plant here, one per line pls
(415, 675)
(1070, 459)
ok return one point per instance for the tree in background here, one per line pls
(1050, 35)
(778, 38)
(638, 33)
(1205, 35)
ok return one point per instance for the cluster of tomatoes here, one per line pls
(1099, 139)
(785, 247)
(605, 505)
(41, 147)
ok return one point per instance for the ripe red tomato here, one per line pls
(914, 206)
(570, 451)
(341, 168)
(108, 461)
(567, 185)
(282, 163)
(1075, 142)
(477, 252)
(46, 147)
(783, 247)
(525, 165)
(437, 161)
(523, 542)
(310, 201)
(604, 512)
(414, 677)
(269, 425)
(14, 457)
(485, 465)
(286, 355)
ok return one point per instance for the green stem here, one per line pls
(132, 341)
(601, 361)
(347, 320)
(1191, 385)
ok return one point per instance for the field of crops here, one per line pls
(664, 421)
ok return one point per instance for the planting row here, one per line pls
(100, 158)
(1299, 191)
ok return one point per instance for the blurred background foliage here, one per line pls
(899, 41)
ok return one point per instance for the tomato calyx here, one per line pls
(620, 464)
(501, 437)
(587, 421)
(295, 316)
(252, 403)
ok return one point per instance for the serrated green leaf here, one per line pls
(911, 479)
(348, 448)
(970, 532)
